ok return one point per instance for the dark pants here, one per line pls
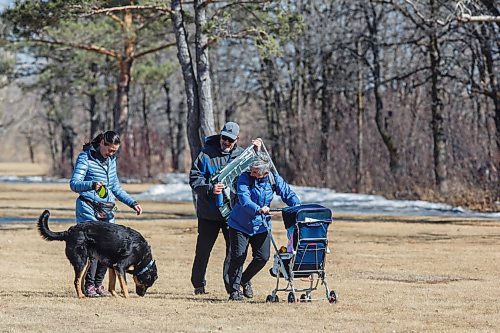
(95, 274)
(96, 271)
(208, 231)
(261, 246)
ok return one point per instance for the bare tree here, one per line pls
(194, 129)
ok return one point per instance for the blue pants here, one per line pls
(261, 246)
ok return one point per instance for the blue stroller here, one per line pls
(307, 227)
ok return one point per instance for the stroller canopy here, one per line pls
(305, 213)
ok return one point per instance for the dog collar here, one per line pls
(146, 268)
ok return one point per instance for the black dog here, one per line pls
(114, 245)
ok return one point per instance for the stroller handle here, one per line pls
(276, 209)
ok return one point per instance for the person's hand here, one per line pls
(138, 209)
(257, 143)
(97, 186)
(264, 210)
(218, 188)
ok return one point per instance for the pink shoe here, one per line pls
(90, 291)
(101, 291)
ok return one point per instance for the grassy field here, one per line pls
(391, 275)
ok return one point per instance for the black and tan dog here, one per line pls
(121, 248)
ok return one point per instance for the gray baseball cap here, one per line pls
(231, 130)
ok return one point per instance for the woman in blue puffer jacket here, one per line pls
(95, 179)
(250, 223)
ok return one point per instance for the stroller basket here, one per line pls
(307, 227)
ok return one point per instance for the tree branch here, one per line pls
(92, 48)
(108, 11)
(117, 19)
(466, 18)
(161, 47)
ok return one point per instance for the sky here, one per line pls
(4, 3)
(175, 187)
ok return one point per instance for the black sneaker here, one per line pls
(235, 296)
(247, 290)
(200, 291)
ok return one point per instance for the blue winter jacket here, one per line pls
(253, 194)
(88, 169)
(210, 160)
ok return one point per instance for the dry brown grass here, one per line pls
(391, 275)
(23, 169)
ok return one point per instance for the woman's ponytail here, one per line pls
(109, 137)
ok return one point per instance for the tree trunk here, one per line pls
(172, 126)
(120, 110)
(176, 131)
(145, 132)
(494, 94)
(94, 115)
(31, 148)
(67, 150)
(326, 119)
(181, 139)
(95, 119)
(207, 122)
(380, 117)
(359, 119)
(438, 132)
(107, 117)
(190, 84)
(51, 138)
(273, 100)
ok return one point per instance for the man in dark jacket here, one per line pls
(218, 151)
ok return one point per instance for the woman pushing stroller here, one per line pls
(250, 223)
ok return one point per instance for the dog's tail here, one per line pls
(47, 234)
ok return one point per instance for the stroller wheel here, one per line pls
(305, 298)
(333, 297)
(272, 299)
(291, 297)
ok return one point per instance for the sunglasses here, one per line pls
(228, 139)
